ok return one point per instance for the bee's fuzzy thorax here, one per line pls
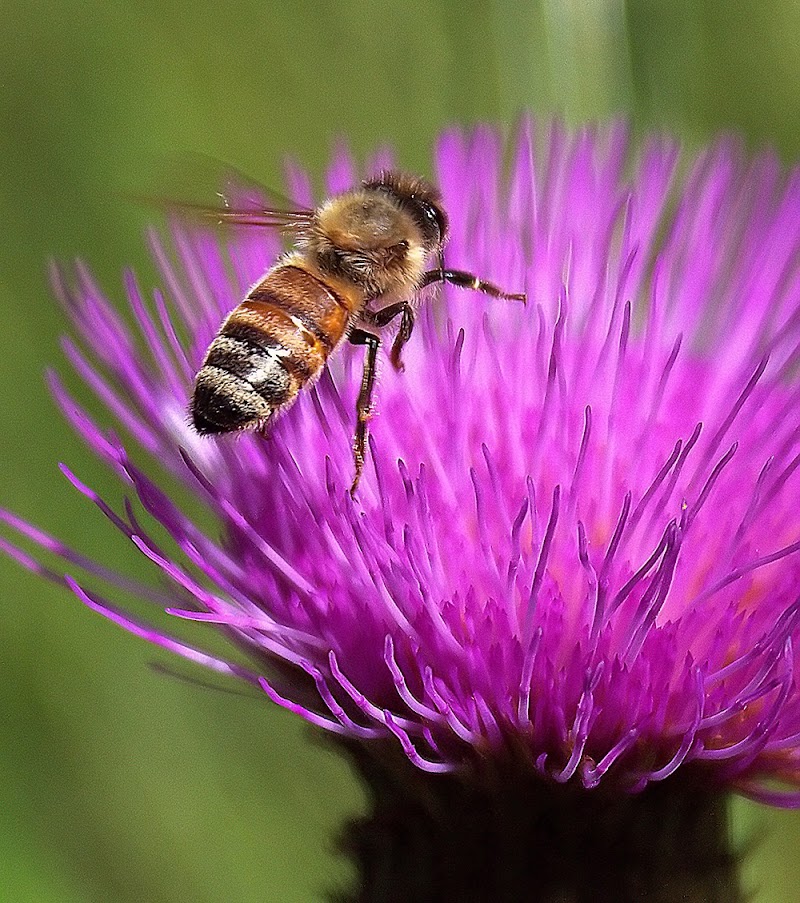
(368, 237)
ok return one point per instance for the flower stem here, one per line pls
(511, 836)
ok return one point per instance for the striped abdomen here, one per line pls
(275, 342)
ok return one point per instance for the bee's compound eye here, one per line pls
(435, 223)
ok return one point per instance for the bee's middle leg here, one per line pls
(384, 316)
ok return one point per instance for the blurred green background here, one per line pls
(117, 784)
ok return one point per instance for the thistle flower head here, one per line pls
(576, 539)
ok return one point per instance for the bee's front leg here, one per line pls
(463, 279)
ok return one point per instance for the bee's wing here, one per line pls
(238, 199)
(225, 214)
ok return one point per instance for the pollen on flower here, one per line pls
(576, 538)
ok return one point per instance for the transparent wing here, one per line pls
(213, 193)
(226, 214)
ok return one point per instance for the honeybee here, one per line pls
(357, 264)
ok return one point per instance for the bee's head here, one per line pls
(381, 235)
(421, 200)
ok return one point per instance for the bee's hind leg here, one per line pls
(264, 428)
(364, 403)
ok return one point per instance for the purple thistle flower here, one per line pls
(575, 541)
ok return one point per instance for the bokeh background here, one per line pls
(120, 784)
